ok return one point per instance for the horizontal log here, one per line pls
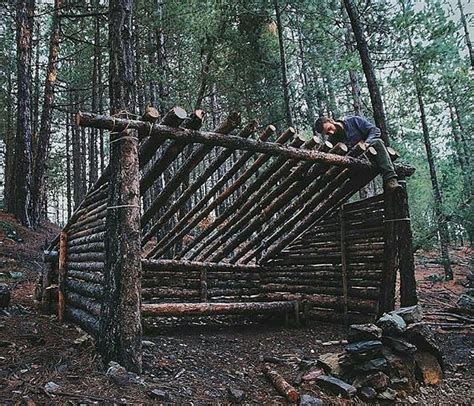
(85, 266)
(89, 305)
(86, 221)
(95, 247)
(171, 293)
(95, 277)
(91, 231)
(86, 257)
(93, 290)
(209, 309)
(194, 284)
(84, 320)
(216, 139)
(99, 221)
(88, 239)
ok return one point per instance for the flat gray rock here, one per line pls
(399, 345)
(377, 364)
(392, 324)
(336, 386)
(378, 381)
(411, 314)
(308, 400)
(362, 332)
(367, 393)
(363, 347)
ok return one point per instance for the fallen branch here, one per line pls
(283, 387)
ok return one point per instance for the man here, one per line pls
(353, 129)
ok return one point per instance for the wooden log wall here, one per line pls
(335, 267)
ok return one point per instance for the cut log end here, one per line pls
(151, 114)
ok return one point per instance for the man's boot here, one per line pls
(390, 185)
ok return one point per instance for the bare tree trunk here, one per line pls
(161, 59)
(9, 144)
(375, 97)
(283, 66)
(120, 337)
(38, 190)
(438, 201)
(68, 166)
(22, 155)
(466, 34)
(37, 85)
(76, 163)
(93, 158)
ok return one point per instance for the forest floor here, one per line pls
(197, 364)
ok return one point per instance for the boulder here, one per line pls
(367, 393)
(401, 366)
(120, 376)
(399, 345)
(420, 335)
(362, 332)
(308, 400)
(374, 365)
(378, 381)
(387, 394)
(330, 363)
(336, 386)
(411, 314)
(392, 324)
(363, 350)
(428, 369)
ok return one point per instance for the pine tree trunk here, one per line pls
(161, 59)
(93, 134)
(22, 155)
(283, 66)
(68, 166)
(76, 165)
(466, 34)
(9, 145)
(375, 97)
(120, 335)
(37, 85)
(38, 190)
(438, 201)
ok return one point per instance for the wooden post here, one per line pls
(344, 264)
(120, 334)
(203, 285)
(62, 274)
(389, 274)
(408, 296)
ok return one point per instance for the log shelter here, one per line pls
(288, 239)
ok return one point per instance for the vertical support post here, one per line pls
(203, 285)
(408, 296)
(62, 275)
(120, 336)
(389, 274)
(344, 265)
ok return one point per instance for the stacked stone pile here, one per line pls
(384, 361)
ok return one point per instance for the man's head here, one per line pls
(325, 126)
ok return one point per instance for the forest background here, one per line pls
(281, 62)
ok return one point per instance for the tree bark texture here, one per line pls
(23, 141)
(41, 157)
(367, 65)
(120, 322)
(283, 65)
